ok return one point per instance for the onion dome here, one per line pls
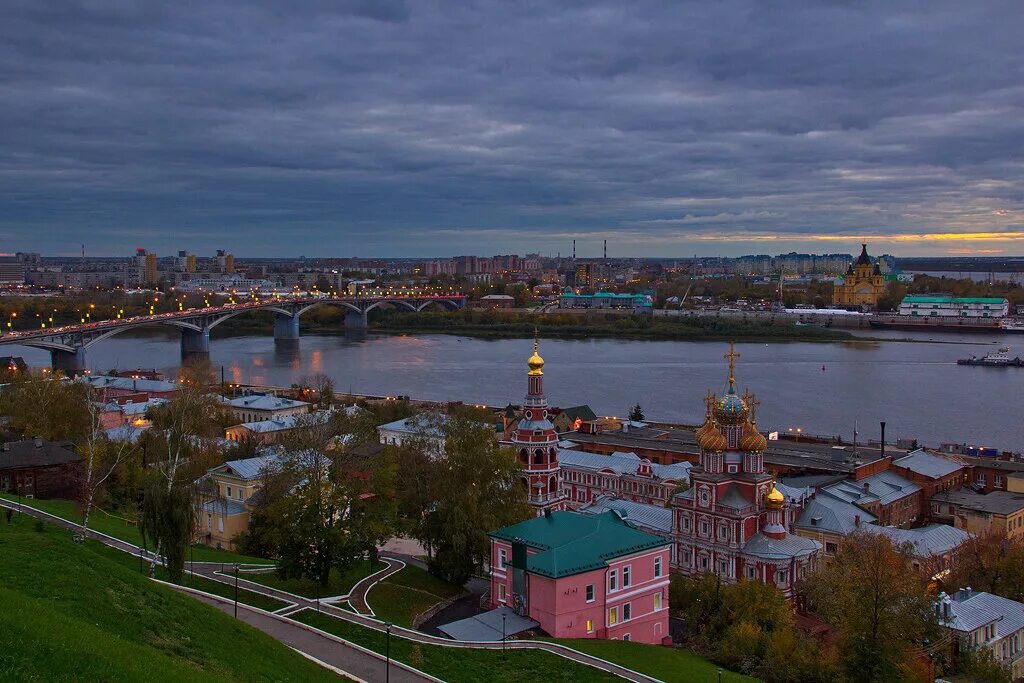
(752, 440)
(535, 362)
(711, 439)
(774, 500)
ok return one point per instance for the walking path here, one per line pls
(210, 571)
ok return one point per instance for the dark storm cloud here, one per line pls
(367, 127)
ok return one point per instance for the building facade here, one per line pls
(583, 576)
(588, 476)
(955, 307)
(258, 407)
(733, 520)
(862, 284)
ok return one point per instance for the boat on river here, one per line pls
(996, 359)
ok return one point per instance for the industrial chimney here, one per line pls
(883, 438)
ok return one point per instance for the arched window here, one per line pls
(538, 457)
(524, 456)
(553, 485)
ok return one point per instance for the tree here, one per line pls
(101, 458)
(47, 406)
(992, 563)
(477, 488)
(879, 604)
(980, 664)
(183, 426)
(168, 519)
(636, 413)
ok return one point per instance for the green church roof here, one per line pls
(571, 543)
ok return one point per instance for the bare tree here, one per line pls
(102, 458)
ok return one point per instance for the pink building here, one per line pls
(583, 576)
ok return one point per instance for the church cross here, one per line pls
(731, 357)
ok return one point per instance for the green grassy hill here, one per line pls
(70, 612)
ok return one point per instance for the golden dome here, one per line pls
(774, 499)
(535, 362)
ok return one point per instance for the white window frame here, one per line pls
(657, 567)
(502, 558)
(589, 593)
(613, 581)
(502, 593)
(627, 576)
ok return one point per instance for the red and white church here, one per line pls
(734, 520)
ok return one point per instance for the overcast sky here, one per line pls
(381, 127)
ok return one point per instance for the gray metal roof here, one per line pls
(996, 502)
(248, 468)
(652, 517)
(36, 453)
(934, 539)
(928, 465)
(827, 513)
(488, 627)
(761, 546)
(885, 487)
(222, 506)
(973, 610)
(128, 383)
(623, 463)
(264, 402)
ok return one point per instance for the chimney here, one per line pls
(856, 521)
(867, 487)
(883, 438)
(38, 442)
(606, 250)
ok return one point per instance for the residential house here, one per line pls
(225, 514)
(1000, 512)
(893, 499)
(39, 469)
(583, 576)
(121, 411)
(426, 428)
(587, 476)
(984, 620)
(273, 430)
(259, 407)
(107, 388)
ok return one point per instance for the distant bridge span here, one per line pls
(67, 344)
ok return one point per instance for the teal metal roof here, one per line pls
(571, 543)
(954, 300)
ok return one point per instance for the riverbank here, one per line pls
(502, 325)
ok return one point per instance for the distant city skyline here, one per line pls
(430, 129)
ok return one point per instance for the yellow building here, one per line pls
(998, 512)
(225, 506)
(863, 284)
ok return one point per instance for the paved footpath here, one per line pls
(211, 570)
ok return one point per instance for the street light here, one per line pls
(503, 635)
(236, 591)
(387, 653)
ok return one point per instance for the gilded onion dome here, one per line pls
(774, 500)
(535, 362)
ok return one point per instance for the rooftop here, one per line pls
(36, 453)
(915, 299)
(264, 402)
(928, 465)
(970, 610)
(623, 463)
(996, 502)
(247, 468)
(934, 539)
(128, 383)
(885, 487)
(657, 518)
(570, 543)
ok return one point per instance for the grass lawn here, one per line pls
(458, 665)
(400, 597)
(68, 612)
(126, 531)
(667, 664)
(339, 583)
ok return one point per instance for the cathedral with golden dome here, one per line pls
(734, 520)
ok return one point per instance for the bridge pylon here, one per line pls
(70, 362)
(195, 344)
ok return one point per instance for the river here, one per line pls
(821, 388)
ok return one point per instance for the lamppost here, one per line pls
(719, 676)
(503, 636)
(387, 653)
(236, 591)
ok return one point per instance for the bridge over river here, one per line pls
(67, 344)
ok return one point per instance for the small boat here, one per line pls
(996, 359)
(1012, 325)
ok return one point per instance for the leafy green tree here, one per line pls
(44, 405)
(880, 605)
(477, 488)
(168, 519)
(980, 664)
(636, 413)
